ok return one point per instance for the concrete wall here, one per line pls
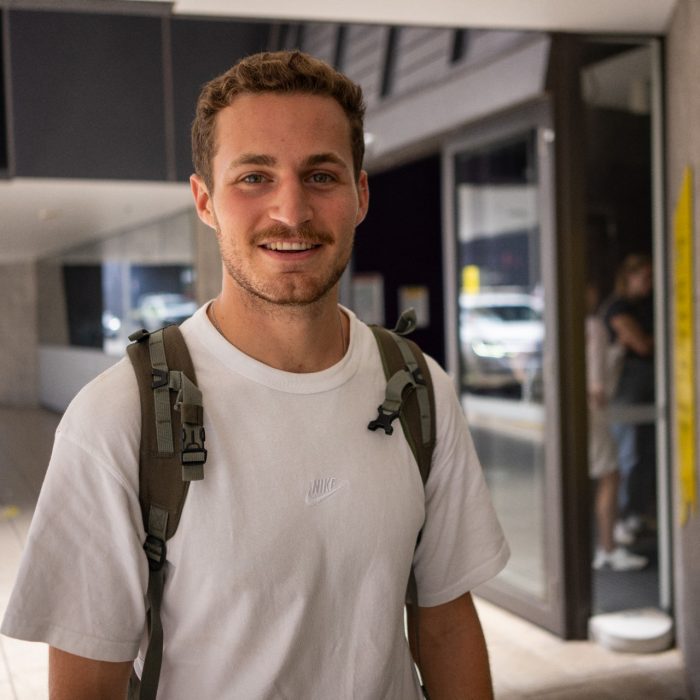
(64, 371)
(18, 335)
(52, 313)
(683, 138)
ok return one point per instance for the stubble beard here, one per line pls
(288, 290)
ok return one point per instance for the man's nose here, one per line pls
(291, 206)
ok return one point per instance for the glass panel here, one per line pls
(98, 294)
(501, 335)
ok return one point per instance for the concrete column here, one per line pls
(52, 313)
(207, 263)
(18, 335)
(683, 139)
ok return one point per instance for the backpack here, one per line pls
(171, 405)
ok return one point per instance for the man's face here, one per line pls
(641, 282)
(285, 202)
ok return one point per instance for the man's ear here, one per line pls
(363, 197)
(202, 201)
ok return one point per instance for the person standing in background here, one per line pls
(629, 318)
(602, 370)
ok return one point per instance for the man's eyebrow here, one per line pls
(321, 158)
(270, 161)
(252, 159)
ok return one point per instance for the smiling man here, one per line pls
(287, 575)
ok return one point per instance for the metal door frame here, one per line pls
(550, 611)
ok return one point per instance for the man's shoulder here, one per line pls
(106, 408)
(617, 306)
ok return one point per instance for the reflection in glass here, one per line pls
(98, 294)
(501, 336)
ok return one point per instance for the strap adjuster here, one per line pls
(156, 551)
(159, 378)
(140, 335)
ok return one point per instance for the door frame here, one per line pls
(550, 611)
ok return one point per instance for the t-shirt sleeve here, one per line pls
(616, 308)
(462, 543)
(83, 576)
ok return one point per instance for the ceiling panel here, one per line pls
(627, 16)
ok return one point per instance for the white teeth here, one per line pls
(289, 245)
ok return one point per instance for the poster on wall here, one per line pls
(684, 348)
(418, 298)
(368, 297)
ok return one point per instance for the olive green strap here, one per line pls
(161, 392)
(156, 552)
(189, 403)
(408, 396)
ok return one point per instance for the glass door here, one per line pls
(500, 273)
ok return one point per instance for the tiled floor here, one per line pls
(527, 662)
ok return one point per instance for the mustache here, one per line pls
(304, 233)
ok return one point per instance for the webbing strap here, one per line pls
(156, 552)
(161, 392)
(189, 403)
(400, 384)
(420, 387)
(393, 396)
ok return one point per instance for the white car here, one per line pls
(501, 338)
(157, 310)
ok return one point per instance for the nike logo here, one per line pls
(320, 489)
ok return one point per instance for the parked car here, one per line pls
(157, 310)
(501, 338)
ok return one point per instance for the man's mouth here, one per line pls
(293, 246)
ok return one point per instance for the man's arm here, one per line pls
(448, 645)
(77, 678)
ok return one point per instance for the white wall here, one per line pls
(64, 371)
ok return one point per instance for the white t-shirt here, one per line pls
(287, 575)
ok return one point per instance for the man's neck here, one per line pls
(307, 338)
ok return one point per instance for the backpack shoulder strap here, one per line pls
(409, 395)
(171, 405)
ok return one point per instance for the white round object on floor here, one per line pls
(642, 631)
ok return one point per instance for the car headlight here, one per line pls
(485, 349)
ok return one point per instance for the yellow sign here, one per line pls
(471, 279)
(684, 350)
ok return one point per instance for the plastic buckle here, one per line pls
(159, 378)
(418, 376)
(196, 454)
(138, 336)
(384, 420)
(156, 551)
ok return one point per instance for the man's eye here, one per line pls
(253, 179)
(321, 178)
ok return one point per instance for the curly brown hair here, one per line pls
(279, 71)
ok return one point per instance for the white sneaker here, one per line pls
(620, 559)
(600, 559)
(622, 534)
(633, 523)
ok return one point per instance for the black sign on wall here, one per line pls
(4, 136)
(202, 50)
(95, 95)
(401, 238)
(87, 95)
